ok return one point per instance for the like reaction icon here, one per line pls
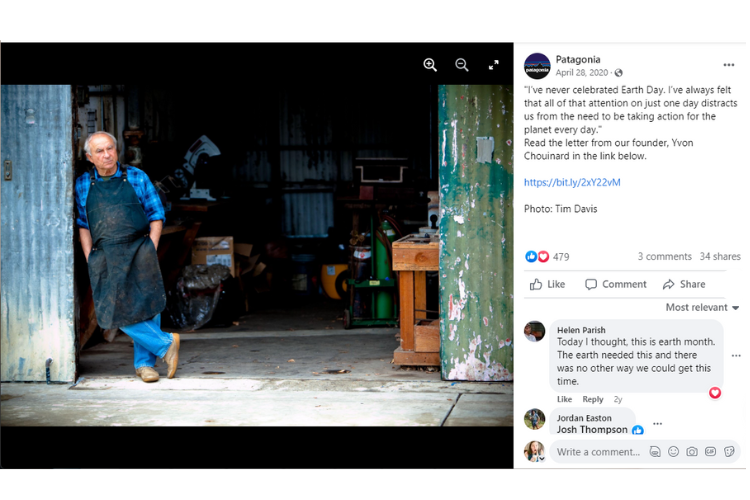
(543, 256)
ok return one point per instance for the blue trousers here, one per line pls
(149, 341)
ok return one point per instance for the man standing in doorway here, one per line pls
(120, 218)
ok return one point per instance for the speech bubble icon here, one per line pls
(590, 284)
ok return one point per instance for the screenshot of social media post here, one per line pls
(337, 251)
(631, 255)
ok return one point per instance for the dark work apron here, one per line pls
(123, 266)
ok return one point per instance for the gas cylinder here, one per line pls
(383, 271)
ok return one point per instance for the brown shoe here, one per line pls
(147, 374)
(172, 355)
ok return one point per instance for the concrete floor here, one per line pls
(307, 354)
(269, 370)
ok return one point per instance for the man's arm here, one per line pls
(86, 241)
(152, 206)
(155, 234)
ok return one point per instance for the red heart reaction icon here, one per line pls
(543, 256)
(714, 393)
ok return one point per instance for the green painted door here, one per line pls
(475, 124)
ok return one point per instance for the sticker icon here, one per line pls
(531, 256)
(729, 451)
(714, 393)
(543, 256)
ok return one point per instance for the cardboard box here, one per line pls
(214, 250)
(244, 261)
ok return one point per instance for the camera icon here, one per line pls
(692, 451)
(710, 451)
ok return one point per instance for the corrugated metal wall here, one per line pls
(256, 169)
(476, 233)
(308, 214)
(36, 235)
(276, 140)
(310, 138)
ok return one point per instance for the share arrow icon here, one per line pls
(668, 284)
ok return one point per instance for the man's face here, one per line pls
(103, 152)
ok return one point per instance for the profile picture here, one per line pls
(534, 451)
(534, 419)
(534, 331)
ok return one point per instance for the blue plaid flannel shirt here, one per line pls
(146, 192)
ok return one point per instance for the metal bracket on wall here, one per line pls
(7, 170)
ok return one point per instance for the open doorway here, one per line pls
(289, 187)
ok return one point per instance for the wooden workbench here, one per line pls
(412, 257)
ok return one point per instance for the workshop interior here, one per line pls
(287, 198)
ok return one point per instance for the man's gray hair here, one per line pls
(87, 145)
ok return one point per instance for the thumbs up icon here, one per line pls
(536, 285)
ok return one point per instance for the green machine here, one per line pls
(380, 290)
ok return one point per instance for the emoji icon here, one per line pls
(673, 451)
(714, 393)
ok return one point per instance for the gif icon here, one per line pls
(710, 451)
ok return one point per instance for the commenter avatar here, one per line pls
(534, 451)
(534, 419)
(534, 331)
